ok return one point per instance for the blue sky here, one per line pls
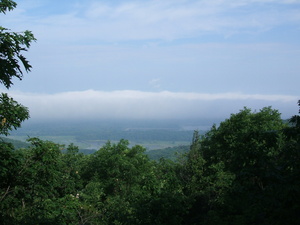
(158, 59)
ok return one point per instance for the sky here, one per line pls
(158, 59)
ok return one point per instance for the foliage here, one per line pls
(40, 183)
(12, 114)
(237, 172)
(12, 44)
(7, 5)
(244, 171)
(123, 175)
(167, 153)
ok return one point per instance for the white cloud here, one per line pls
(132, 104)
(155, 83)
(164, 20)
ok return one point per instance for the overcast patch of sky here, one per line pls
(246, 46)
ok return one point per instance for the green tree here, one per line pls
(12, 46)
(122, 175)
(234, 168)
(168, 203)
(206, 184)
(288, 190)
(122, 186)
(6, 5)
(12, 114)
(40, 187)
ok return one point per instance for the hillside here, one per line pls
(168, 153)
(16, 143)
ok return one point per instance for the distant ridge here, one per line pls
(16, 143)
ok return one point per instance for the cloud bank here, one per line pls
(131, 104)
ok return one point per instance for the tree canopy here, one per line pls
(244, 171)
(12, 46)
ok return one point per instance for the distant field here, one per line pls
(97, 144)
(64, 140)
(90, 135)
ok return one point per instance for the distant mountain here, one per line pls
(168, 153)
(17, 144)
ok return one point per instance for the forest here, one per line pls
(244, 171)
